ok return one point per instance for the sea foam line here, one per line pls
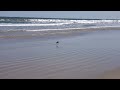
(74, 28)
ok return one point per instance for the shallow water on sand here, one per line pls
(81, 56)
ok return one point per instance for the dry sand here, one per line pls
(84, 56)
(111, 74)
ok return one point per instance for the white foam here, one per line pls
(2, 19)
(53, 24)
(92, 27)
(73, 21)
(74, 28)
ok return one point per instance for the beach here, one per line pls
(112, 74)
(87, 54)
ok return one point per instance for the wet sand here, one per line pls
(79, 56)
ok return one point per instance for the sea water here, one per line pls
(22, 25)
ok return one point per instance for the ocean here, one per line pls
(13, 25)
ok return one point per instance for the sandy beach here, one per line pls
(111, 74)
(80, 55)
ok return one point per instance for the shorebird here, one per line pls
(57, 42)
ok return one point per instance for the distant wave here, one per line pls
(18, 24)
(41, 20)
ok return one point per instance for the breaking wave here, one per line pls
(18, 24)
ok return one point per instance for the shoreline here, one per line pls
(49, 33)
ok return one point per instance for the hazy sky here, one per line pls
(64, 14)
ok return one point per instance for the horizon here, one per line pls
(63, 14)
(56, 18)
